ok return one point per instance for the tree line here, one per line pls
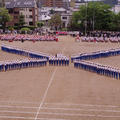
(91, 17)
(95, 16)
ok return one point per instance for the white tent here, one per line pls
(44, 17)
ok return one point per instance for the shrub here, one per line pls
(25, 30)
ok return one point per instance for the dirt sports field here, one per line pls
(59, 93)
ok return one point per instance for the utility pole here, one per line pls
(86, 19)
(2, 3)
(94, 13)
(94, 18)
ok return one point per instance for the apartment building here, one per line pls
(54, 3)
(65, 18)
(28, 8)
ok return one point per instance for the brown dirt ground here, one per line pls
(111, 61)
(74, 94)
(10, 57)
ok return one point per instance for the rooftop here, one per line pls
(20, 4)
(110, 2)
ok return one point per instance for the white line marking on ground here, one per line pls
(84, 115)
(26, 118)
(79, 109)
(59, 114)
(44, 96)
(19, 102)
(23, 112)
(7, 106)
(64, 109)
(88, 105)
(65, 104)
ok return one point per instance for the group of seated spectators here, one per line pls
(99, 36)
(107, 34)
(100, 39)
(21, 37)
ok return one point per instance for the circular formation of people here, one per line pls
(80, 61)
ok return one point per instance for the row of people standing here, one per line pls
(24, 52)
(98, 68)
(20, 64)
(59, 60)
(95, 55)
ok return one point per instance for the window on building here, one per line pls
(21, 8)
(16, 12)
(30, 23)
(30, 10)
(30, 16)
(64, 18)
(15, 24)
(10, 11)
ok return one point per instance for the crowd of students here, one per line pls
(27, 37)
(107, 34)
(80, 62)
(61, 33)
(99, 39)
(98, 68)
(20, 64)
(24, 52)
(95, 55)
(99, 36)
(59, 60)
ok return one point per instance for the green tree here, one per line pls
(25, 30)
(21, 21)
(4, 18)
(55, 21)
(115, 23)
(52, 11)
(93, 16)
(11, 28)
(118, 21)
(40, 24)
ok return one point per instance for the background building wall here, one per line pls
(54, 3)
